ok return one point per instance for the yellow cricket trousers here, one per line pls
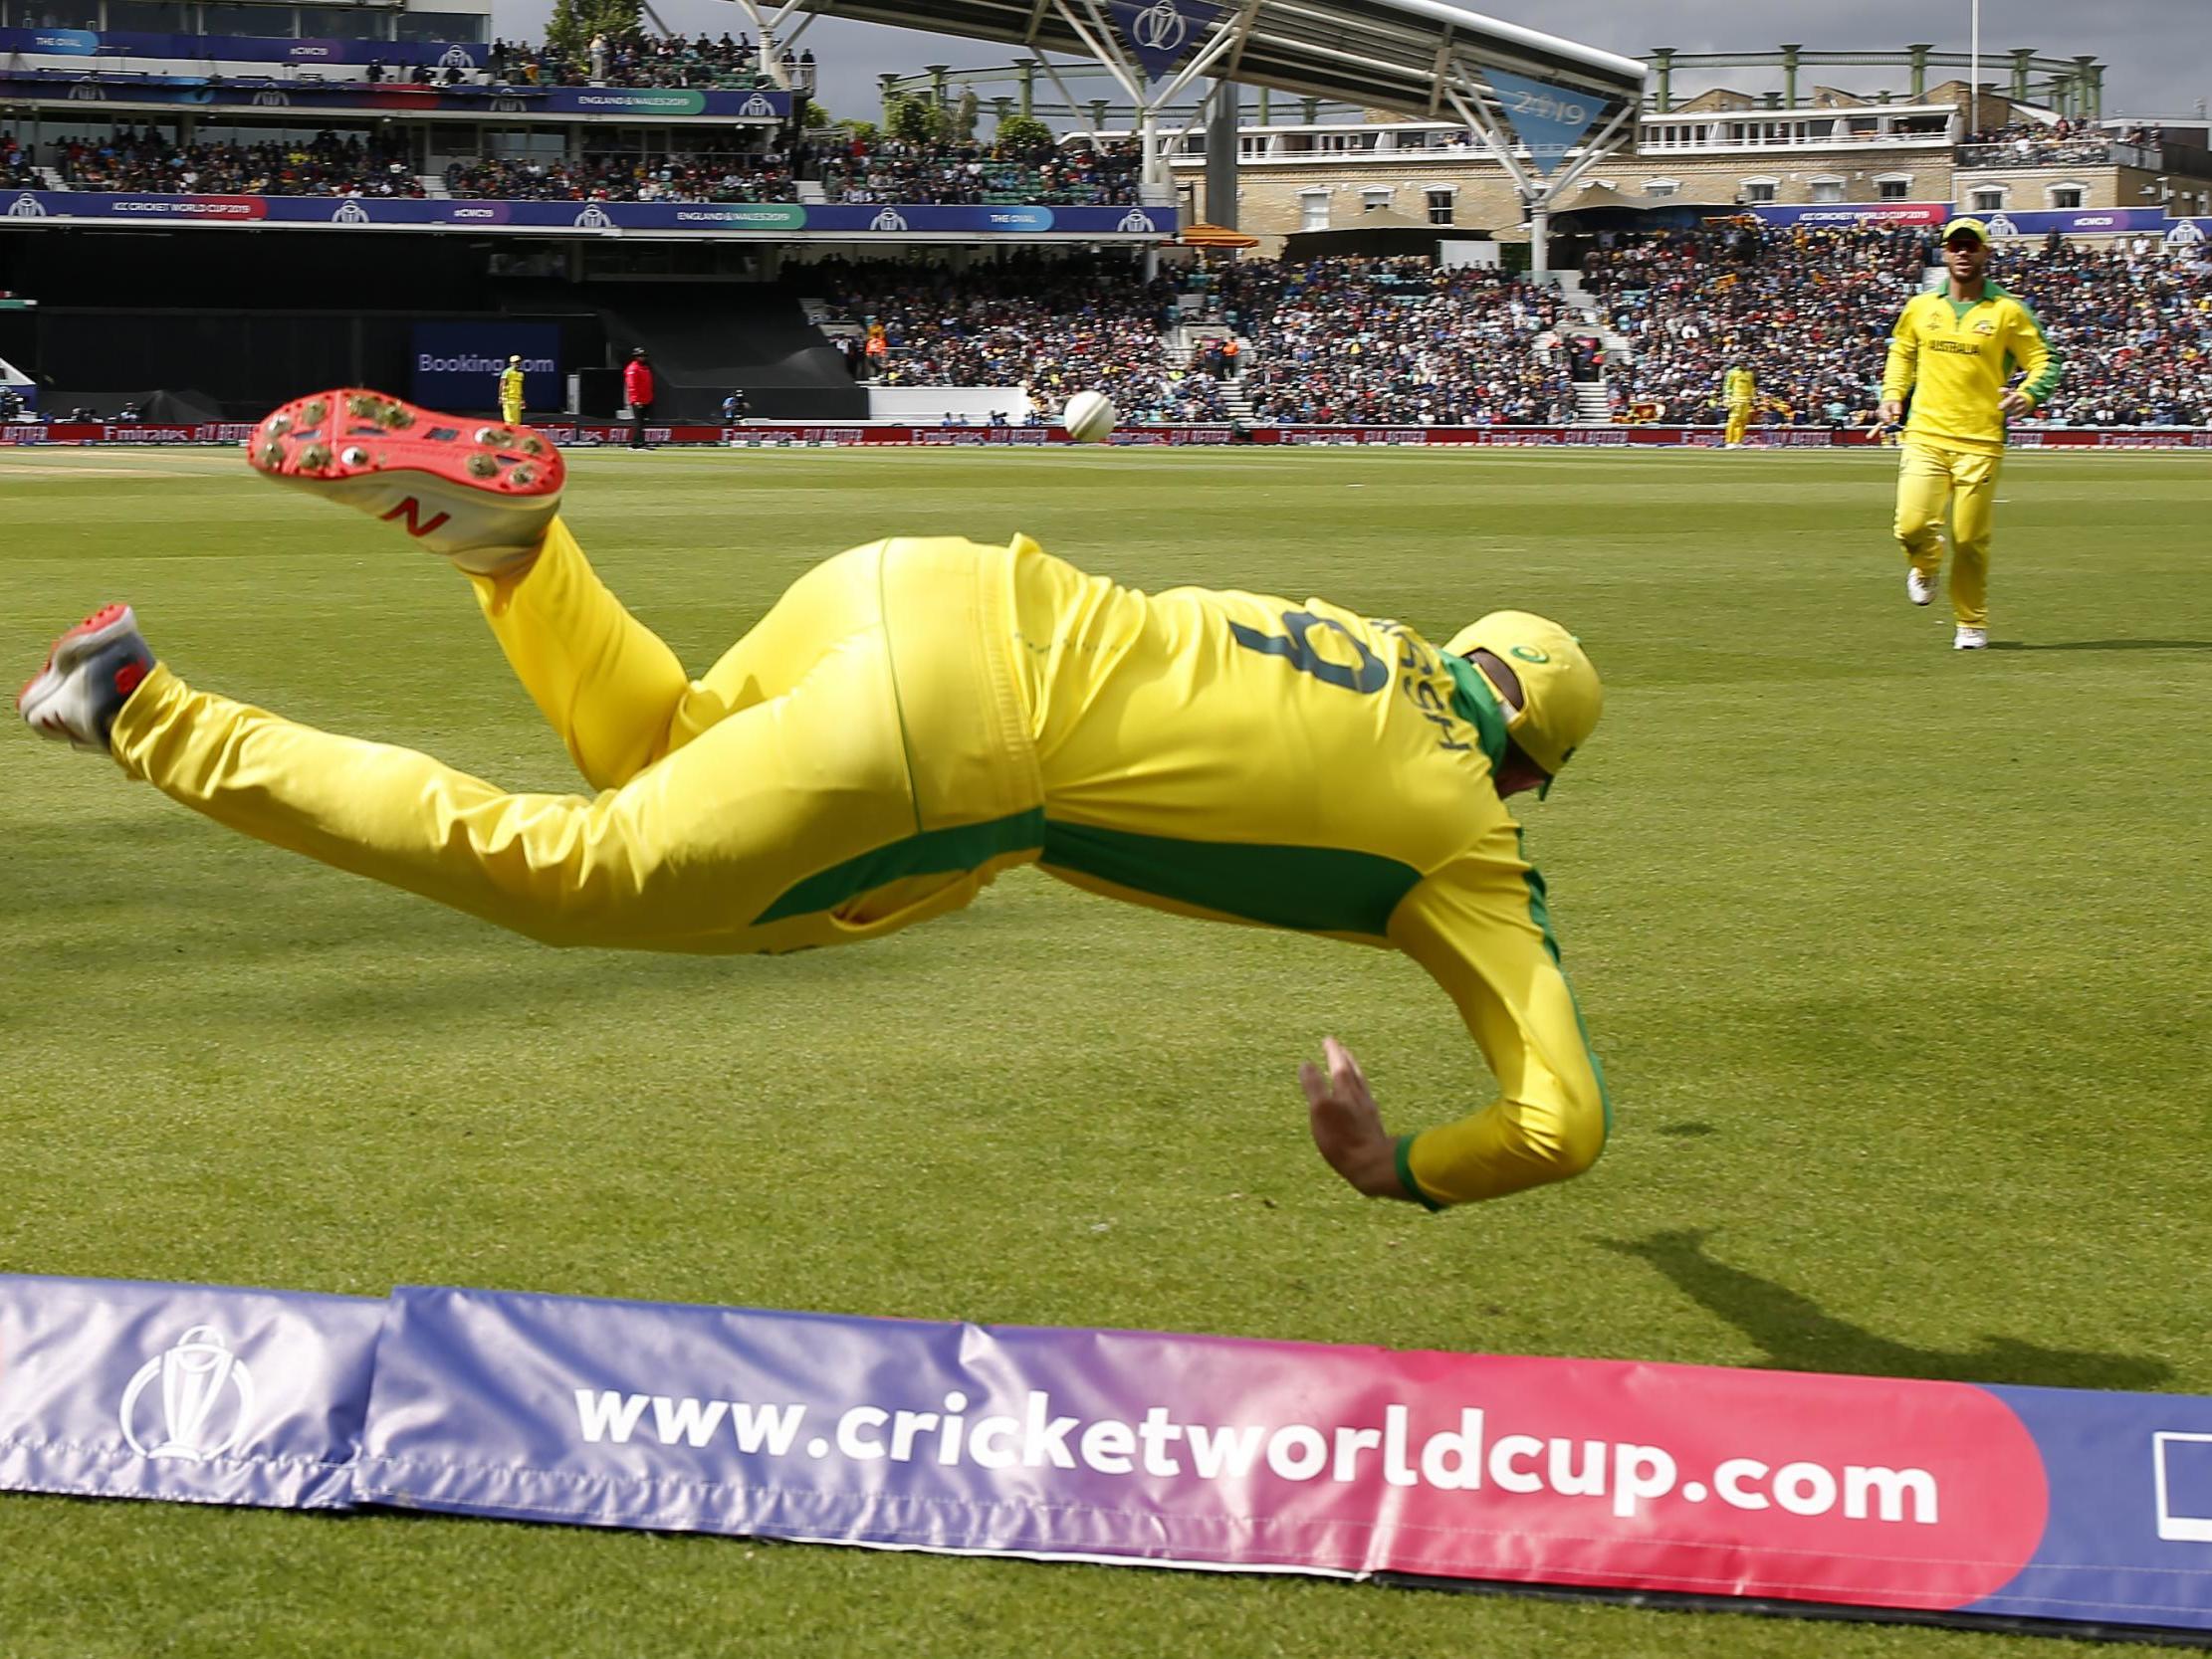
(1739, 422)
(1931, 479)
(510, 411)
(860, 761)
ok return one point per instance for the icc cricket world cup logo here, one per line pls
(1159, 28)
(203, 1406)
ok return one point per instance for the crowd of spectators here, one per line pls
(2061, 143)
(150, 160)
(977, 173)
(1398, 342)
(642, 58)
(733, 177)
(1807, 312)
(16, 171)
(1810, 312)
(1055, 327)
(2135, 332)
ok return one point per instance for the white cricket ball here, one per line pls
(1089, 418)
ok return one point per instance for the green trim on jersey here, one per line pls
(1405, 1162)
(1311, 890)
(939, 852)
(1475, 702)
(1539, 912)
(2053, 369)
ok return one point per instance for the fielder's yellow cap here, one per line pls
(1967, 227)
(1562, 697)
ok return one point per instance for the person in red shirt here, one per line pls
(637, 393)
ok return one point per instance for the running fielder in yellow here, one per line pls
(912, 717)
(1739, 388)
(1952, 351)
(510, 392)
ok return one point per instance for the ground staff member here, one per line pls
(912, 717)
(1952, 351)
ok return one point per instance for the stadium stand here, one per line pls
(977, 173)
(326, 165)
(735, 177)
(1398, 341)
(643, 58)
(1055, 327)
(1810, 312)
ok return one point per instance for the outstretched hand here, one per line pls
(1347, 1126)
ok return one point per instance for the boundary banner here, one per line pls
(835, 435)
(780, 220)
(1872, 1497)
(194, 1394)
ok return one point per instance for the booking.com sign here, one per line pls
(456, 365)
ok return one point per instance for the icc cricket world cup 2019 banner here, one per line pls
(2032, 1507)
(113, 1390)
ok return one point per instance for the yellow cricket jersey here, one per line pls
(1739, 387)
(1251, 759)
(511, 387)
(1953, 357)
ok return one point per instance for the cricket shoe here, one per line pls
(89, 676)
(479, 492)
(1918, 588)
(1969, 639)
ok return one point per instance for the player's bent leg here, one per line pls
(1972, 519)
(477, 493)
(605, 682)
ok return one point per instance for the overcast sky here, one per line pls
(2157, 53)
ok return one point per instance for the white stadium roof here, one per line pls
(1400, 56)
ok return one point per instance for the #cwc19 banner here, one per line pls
(2017, 1504)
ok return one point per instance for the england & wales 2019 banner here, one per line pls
(1942, 1499)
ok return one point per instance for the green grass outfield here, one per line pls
(1896, 957)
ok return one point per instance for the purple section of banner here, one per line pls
(111, 1389)
(237, 48)
(52, 207)
(76, 88)
(2129, 1539)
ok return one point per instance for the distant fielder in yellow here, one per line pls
(511, 391)
(1952, 351)
(1739, 389)
(912, 717)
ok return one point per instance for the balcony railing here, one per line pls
(2060, 152)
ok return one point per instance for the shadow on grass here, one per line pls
(2104, 645)
(1799, 1335)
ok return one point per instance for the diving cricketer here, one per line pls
(912, 717)
(1952, 351)
(511, 391)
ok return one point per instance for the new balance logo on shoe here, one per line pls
(413, 511)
